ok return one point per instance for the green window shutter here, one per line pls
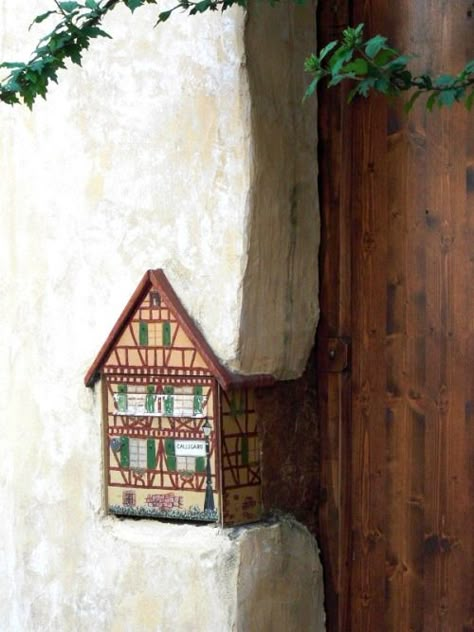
(168, 399)
(200, 464)
(166, 334)
(244, 450)
(197, 400)
(143, 333)
(122, 399)
(150, 399)
(170, 454)
(150, 454)
(125, 452)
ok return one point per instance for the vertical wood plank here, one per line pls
(334, 388)
(368, 339)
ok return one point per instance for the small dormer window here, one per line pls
(154, 335)
(155, 299)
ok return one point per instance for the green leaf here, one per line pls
(383, 86)
(310, 90)
(12, 64)
(9, 97)
(200, 7)
(469, 67)
(336, 80)
(443, 80)
(41, 18)
(133, 4)
(468, 101)
(399, 62)
(69, 7)
(352, 94)
(13, 85)
(75, 56)
(327, 49)
(412, 100)
(312, 63)
(340, 57)
(92, 4)
(431, 101)
(95, 31)
(356, 67)
(447, 97)
(163, 16)
(384, 56)
(365, 86)
(374, 45)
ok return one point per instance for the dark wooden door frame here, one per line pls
(334, 382)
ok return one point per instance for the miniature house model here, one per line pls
(181, 439)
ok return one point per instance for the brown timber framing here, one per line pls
(397, 438)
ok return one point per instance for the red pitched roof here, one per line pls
(157, 279)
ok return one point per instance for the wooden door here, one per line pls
(396, 339)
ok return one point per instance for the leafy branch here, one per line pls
(372, 65)
(77, 23)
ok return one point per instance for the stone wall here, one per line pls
(150, 156)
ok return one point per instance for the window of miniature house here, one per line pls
(155, 299)
(184, 401)
(154, 334)
(182, 461)
(138, 453)
(135, 400)
(189, 464)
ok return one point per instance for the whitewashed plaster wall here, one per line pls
(144, 158)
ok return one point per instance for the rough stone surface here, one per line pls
(280, 585)
(144, 158)
(280, 285)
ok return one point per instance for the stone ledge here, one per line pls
(265, 577)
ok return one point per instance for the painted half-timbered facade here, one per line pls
(180, 430)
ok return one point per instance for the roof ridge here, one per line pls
(158, 279)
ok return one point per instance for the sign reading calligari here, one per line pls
(180, 428)
(190, 448)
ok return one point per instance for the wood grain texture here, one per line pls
(408, 434)
(334, 402)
